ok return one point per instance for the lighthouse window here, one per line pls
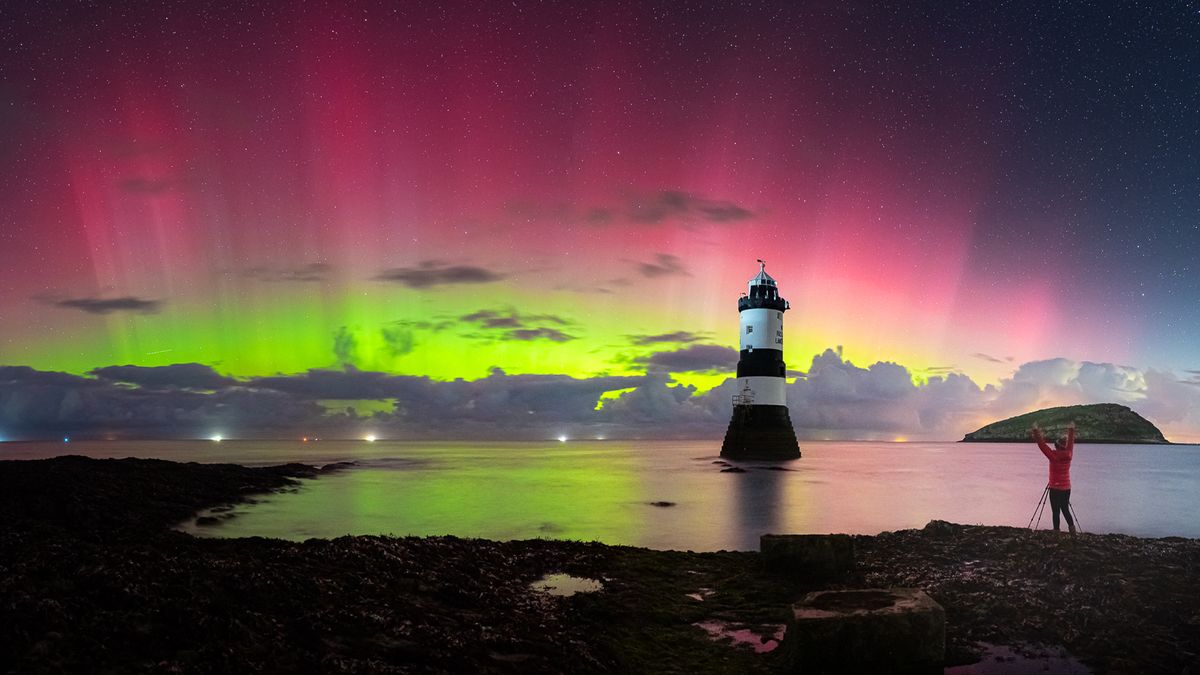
(749, 329)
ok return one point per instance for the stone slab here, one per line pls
(876, 630)
(808, 557)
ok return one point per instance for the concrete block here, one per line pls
(879, 630)
(807, 557)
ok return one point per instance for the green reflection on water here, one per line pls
(573, 496)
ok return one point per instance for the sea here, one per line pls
(677, 495)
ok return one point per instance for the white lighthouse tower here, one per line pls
(761, 427)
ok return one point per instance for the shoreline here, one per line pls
(93, 577)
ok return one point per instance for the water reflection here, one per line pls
(757, 503)
(604, 490)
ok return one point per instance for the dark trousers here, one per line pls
(1060, 501)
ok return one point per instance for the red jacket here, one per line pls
(1060, 460)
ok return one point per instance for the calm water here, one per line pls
(602, 490)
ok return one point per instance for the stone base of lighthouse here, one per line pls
(760, 432)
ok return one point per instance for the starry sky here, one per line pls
(334, 207)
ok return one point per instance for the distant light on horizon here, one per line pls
(370, 439)
(66, 439)
(216, 439)
(562, 439)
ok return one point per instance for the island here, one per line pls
(1096, 423)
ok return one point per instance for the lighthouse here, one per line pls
(761, 427)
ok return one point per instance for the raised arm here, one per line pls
(1036, 431)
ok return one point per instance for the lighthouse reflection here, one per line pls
(758, 497)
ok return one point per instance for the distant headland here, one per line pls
(1096, 423)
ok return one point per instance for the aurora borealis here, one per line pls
(266, 213)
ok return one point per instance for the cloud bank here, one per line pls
(834, 399)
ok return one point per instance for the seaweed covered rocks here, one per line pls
(93, 578)
(1119, 603)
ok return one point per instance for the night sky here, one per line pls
(533, 219)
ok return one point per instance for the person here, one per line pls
(1060, 473)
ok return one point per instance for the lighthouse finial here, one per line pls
(762, 265)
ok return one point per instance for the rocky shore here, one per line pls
(93, 579)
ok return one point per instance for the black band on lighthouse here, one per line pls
(764, 362)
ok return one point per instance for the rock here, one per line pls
(940, 529)
(808, 557)
(869, 630)
(337, 466)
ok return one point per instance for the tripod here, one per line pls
(1041, 508)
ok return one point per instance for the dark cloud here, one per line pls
(432, 273)
(510, 318)
(676, 337)
(179, 376)
(515, 326)
(664, 265)
(489, 319)
(552, 334)
(398, 340)
(111, 305)
(675, 205)
(346, 384)
(345, 346)
(993, 359)
(694, 358)
(24, 376)
(303, 273)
